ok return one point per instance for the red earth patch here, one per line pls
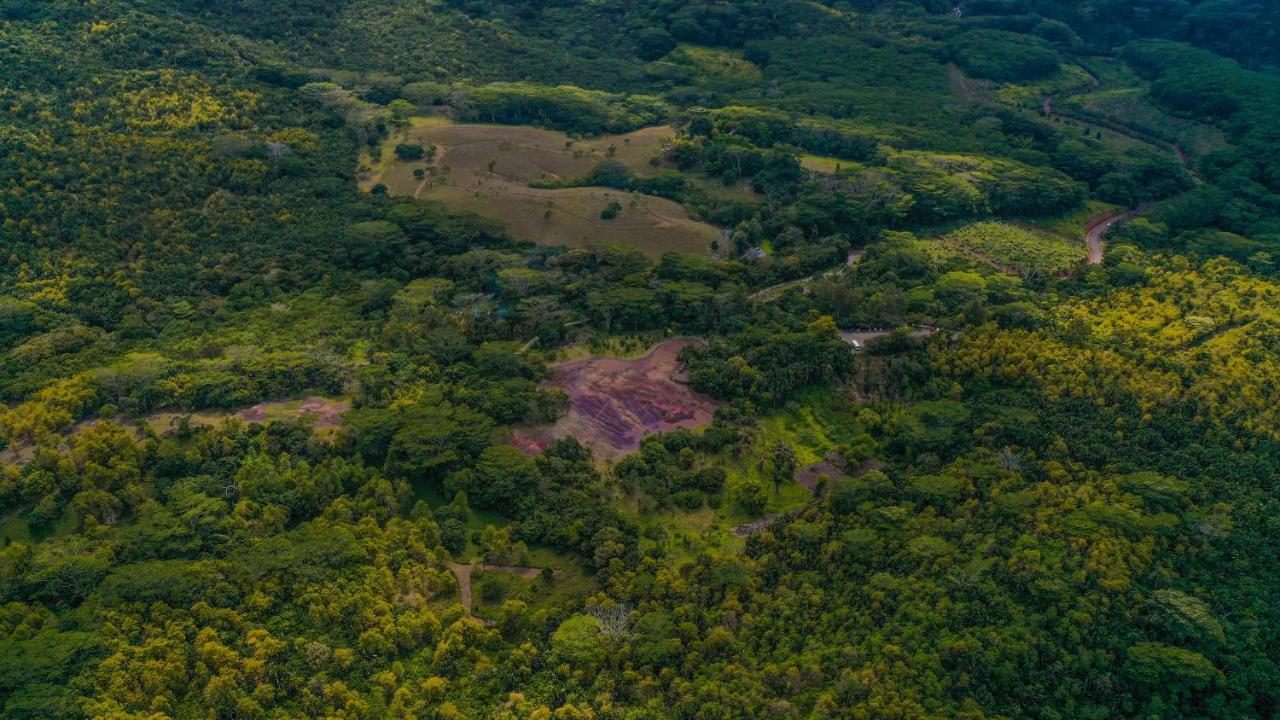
(615, 403)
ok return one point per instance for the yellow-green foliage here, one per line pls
(51, 409)
(1017, 248)
(169, 100)
(948, 186)
(1207, 335)
(1066, 78)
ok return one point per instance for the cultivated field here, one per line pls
(614, 403)
(488, 169)
(1015, 249)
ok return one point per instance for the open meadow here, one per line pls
(488, 169)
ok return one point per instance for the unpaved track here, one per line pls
(1099, 225)
(773, 292)
(1096, 228)
(1116, 126)
(463, 574)
(12, 514)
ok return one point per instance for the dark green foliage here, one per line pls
(564, 107)
(1003, 56)
(410, 151)
(183, 233)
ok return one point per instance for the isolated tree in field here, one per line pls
(410, 151)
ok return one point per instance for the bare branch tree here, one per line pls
(614, 619)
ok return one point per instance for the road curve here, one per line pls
(1097, 227)
(1115, 126)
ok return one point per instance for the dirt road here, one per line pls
(773, 292)
(1116, 126)
(463, 574)
(1097, 227)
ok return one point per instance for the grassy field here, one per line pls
(1131, 107)
(617, 346)
(488, 168)
(1018, 249)
(817, 423)
(569, 584)
(1123, 98)
(1030, 94)
(706, 67)
(828, 165)
(1071, 225)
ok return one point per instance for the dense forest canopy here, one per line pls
(639, 359)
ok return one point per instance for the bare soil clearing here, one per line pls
(811, 475)
(488, 169)
(615, 403)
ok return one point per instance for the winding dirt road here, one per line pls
(773, 292)
(1097, 227)
(1115, 126)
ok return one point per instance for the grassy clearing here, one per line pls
(15, 527)
(1124, 97)
(477, 520)
(487, 169)
(569, 585)
(324, 411)
(828, 165)
(1068, 77)
(1130, 106)
(1071, 225)
(817, 423)
(1017, 248)
(617, 346)
(706, 67)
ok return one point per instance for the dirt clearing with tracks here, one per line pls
(615, 403)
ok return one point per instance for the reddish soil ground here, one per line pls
(615, 403)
